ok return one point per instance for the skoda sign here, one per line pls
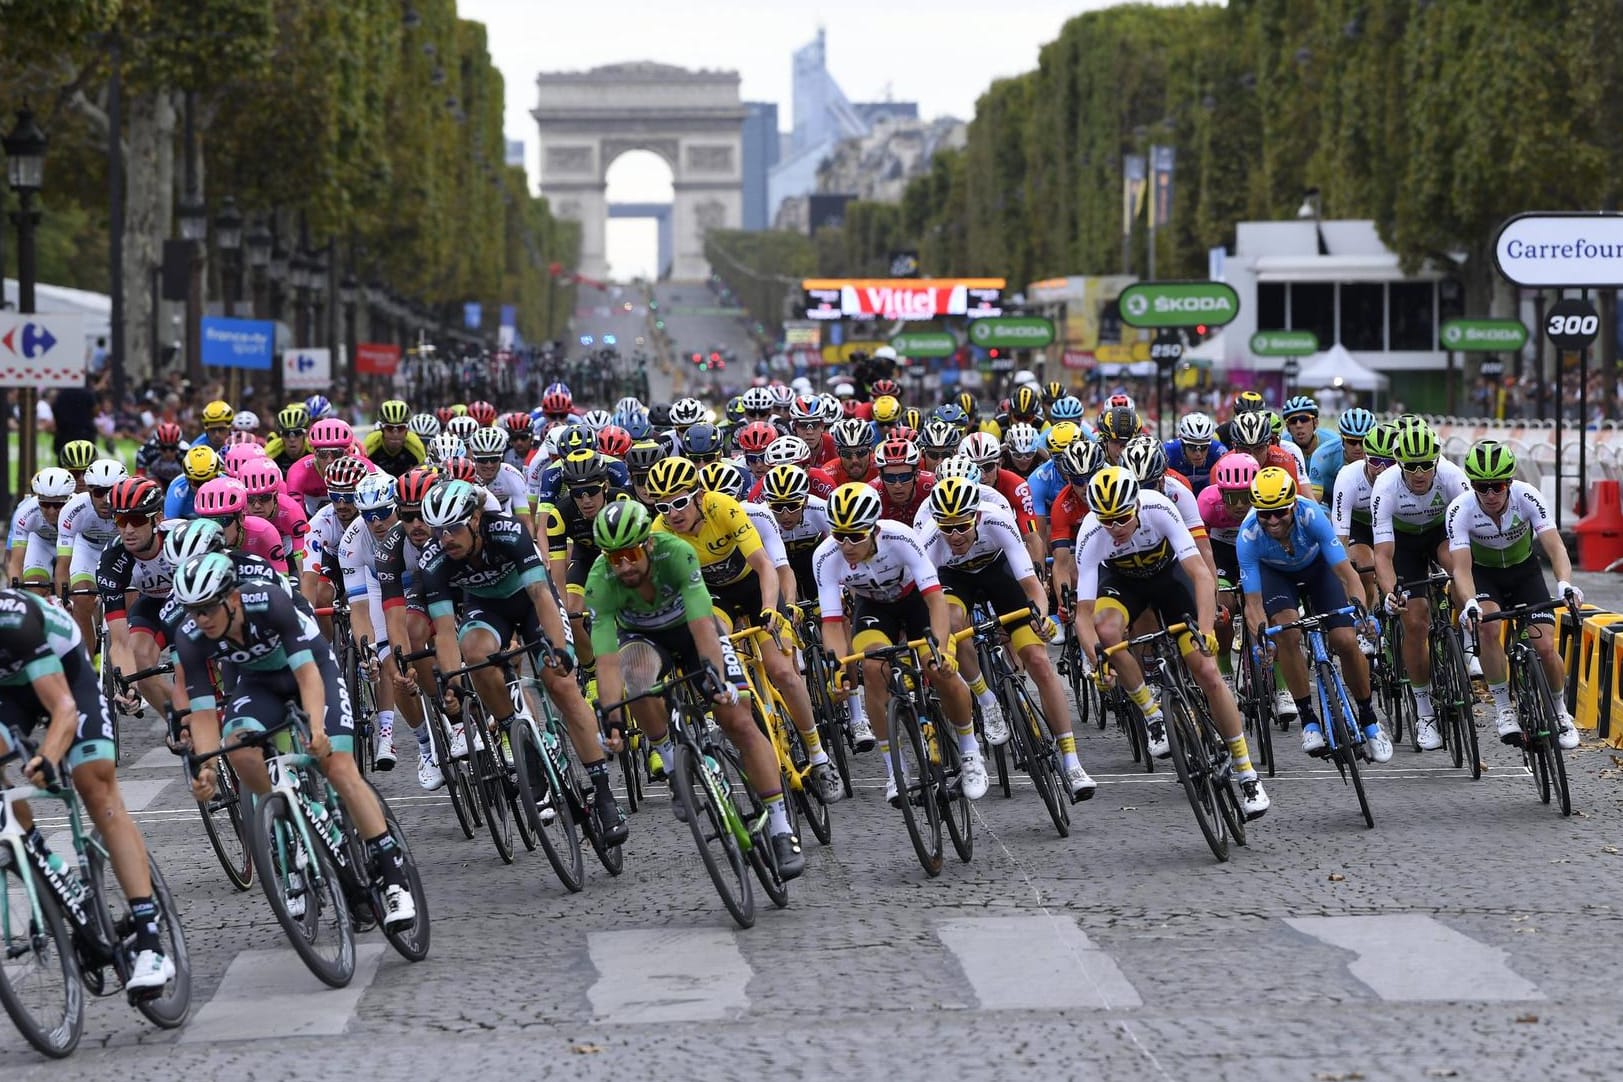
(922, 344)
(1284, 343)
(1179, 304)
(1011, 332)
(1535, 250)
(1484, 335)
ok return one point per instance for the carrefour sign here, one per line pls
(1178, 304)
(1536, 250)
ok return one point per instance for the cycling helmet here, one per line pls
(245, 421)
(1066, 408)
(202, 463)
(636, 426)
(939, 437)
(205, 579)
(1113, 492)
(902, 432)
(443, 414)
(1080, 460)
(912, 417)
(895, 452)
(628, 405)
(724, 477)
(556, 403)
(757, 400)
(1300, 404)
(786, 484)
(583, 467)
(458, 469)
(1023, 438)
(54, 483)
(806, 410)
(483, 412)
(217, 413)
(518, 425)
(104, 473)
(137, 496)
(1272, 489)
(320, 409)
(487, 443)
(293, 417)
(889, 387)
(451, 503)
(1145, 456)
(1490, 460)
(1197, 428)
(614, 441)
(445, 447)
(788, 451)
(1025, 402)
(832, 410)
(193, 538)
(958, 466)
(261, 477)
(238, 438)
(1118, 423)
(462, 427)
(222, 496)
(331, 433)
(1054, 390)
(597, 420)
(1380, 441)
(1416, 442)
(426, 425)
(1249, 402)
(672, 477)
(1251, 429)
(239, 455)
(782, 397)
(411, 489)
(967, 403)
(394, 412)
(1062, 435)
(853, 507)
(1355, 423)
(887, 410)
(982, 447)
(643, 455)
(345, 473)
(755, 437)
(852, 434)
(375, 492)
(167, 434)
(1234, 472)
(574, 438)
(686, 411)
(951, 413)
(1276, 423)
(623, 524)
(77, 455)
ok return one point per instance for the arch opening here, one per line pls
(640, 191)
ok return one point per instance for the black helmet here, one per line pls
(583, 467)
(643, 455)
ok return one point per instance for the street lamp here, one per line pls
(194, 219)
(318, 299)
(259, 243)
(349, 291)
(25, 169)
(298, 271)
(228, 235)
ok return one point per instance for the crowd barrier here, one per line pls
(1592, 649)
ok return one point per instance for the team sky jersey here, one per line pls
(1198, 476)
(1066, 516)
(1045, 485)
(394, 564)
(997, 538)
(679, 597)
(1502, 543)
(506, 564)
(1221, 525)
(412, 453)
(121, 570)
(80, 520)
(837, 475)
(1396, 510)
(766, 525)
(991, 500)
(897, 567)
(724, 539)
(545, 478)
(1159, 541)
(1351, 502)
(276, 637)
(1312, 536)
(923, 482)
(1174, 489)
(1324, 470)
(34, 638)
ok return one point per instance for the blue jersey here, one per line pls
(1322, 469)
(1046, 484)
(1199, 476)
(1312, 537)
(179, 498)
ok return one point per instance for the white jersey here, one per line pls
(1188, 507)
(996, 535)
(80, 521)
(1353, 490)
(30, 521)
(811, 529)
(326, 534)
(1504, 542)
(991, 500)
(1395, 509)
(1159, 541)
(1295, 452)
(357, 555)
(898, 566)
(510, 489)
(767, 526)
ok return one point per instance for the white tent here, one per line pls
(1335, 367)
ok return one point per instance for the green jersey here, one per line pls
(680, 594)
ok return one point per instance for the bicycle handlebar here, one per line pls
(706, 675)
(295, 715)
(1530, 609)
(1187, 624)
(1308, 623)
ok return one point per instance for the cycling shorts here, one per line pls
(678, 645)
(1169, 594)
(1518, 584)
(1414, 553)
(85, 560)
(260, 696)
(93, 738)
(1283, 591)
(888, 623)
(994, 586)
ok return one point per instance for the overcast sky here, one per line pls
(940, 53)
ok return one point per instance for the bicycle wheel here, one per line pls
(1343, 746)
(1131, 719)
(809, 805)
(545, 809)
(1194, 769)
(1462, 720)
(168, 1009)
(831, 716)
(1029, 734)
(40, 984)
(411, 942)
(920, 810)
(1544, 721)
(946, 764)
(453, 770)
(579, 790)
(718, 848)
(1256, 702)
(223, 823)
(289, 872)
(752, 809)
(489, 777)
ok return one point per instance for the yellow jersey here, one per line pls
(725, 538)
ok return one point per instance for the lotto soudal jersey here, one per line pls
(274, 637)
(1394, 509)
(34, 638)
(897, 567)
(1502, 541)
(997, 538)
(504, 564)
(1159, 541)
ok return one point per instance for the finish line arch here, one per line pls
(692, 119)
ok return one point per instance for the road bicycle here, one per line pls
(457, 772)
(1451, 693)
(1389, 681)
(772, 716)
(1072, 665)
(1031, 745)
(1254, 695)
(356, 661)
(1536, 704)
(833, 716)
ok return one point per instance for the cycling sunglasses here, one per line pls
(787, 507)
(898, 478)
(104, 493)
(1420, 467)
(452, 527)
(675, 504)
(132, 520)
(1117, 520)
(203, 609)
(583, 492)
(52, 505)
(850, 537)
(410, 514)
(1490, 487)
(487, 460)
(1378, 462)
(261, 497)
(396, 428)
(377, 514)
(341, 497)
(1273, 512)
(286, 432)
(623, 557)
(955, 527)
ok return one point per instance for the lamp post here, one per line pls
(349, 291)
(25, 169)
(298, 274)
(259, 255)
(228, 235)
(194, 229)
(318, 299)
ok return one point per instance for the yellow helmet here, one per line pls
(202, 463)
(672, 477)
(1062, 435)
(954, 499)
(1113, 492)
(886, 409)
(78, 455)
(1272, 489)
(295, 416)
(394, 412)
(458, 410)
(217, 413)
(853, 507)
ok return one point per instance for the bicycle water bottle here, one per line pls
(717, 773)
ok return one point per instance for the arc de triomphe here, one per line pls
(692, 119)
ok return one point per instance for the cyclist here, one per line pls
(83, 531)
(487, 447)
(1023, 453)
(520, 441)
(488, 562)
(45, 674)
(1147, 460)
(291, 440)
(901, 485)
(201, 465)
(987, 453)
(570, 551)
(225, 501)
(1407, 509)
(330, 440)
(982, 560)
(1251, 433)
(1327, 462)
(263, 482)
(159, 456)
(1350, 506)
(1287, 549)
(1224, 505)
(319, 573)
(35, 531)
(134, 561)
(1196, 450)
(1301, 415)
(395, 520)
(1496, 523)
(648, 585)
(217, 418)
(272, 654)
(806, 420)
(1133, 555)
(1117, 425)
(854, 453)
(392, 446)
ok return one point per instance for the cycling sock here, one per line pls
(1070, 761)
(1241, 754)
(667, 752)
(1067, 744)
(1144, 699)
(885, 757)
(1225, 663)
(1304, 706)
(859, 709)
(983, 694)
(1501, 695)
(967, 744)
(391, 861)
(1422, 700)
(813, 741)
(144, 911)
(386, 723)
(777, 816)
(599, 773)
(1366, 713)
(424, 741)
(1279, 679)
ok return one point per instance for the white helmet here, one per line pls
(884, 353)
(960, 466)
(758, 400)
(788, 451)
(687, 411)
(375, 491)
(54, 483)
(105, 473)
(1197, 428)
(487, 443)
(832, 410)
(445, 446)
(982, 447)
(1023, 376)
(425, 425)
(844, 390)
(597, 420)
(245, 421)
(782, 397)
(1023, 438)
(462, 427)
(203, 578)
(801, 385)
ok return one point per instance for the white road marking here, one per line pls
(139, 794)
(270, 994)
(667, 975)
(159, 758)
(1035, 963)
(1411, 958)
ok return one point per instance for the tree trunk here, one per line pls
(149, 183)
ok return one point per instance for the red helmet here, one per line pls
(556, 403)
(483, 412)
(345, 473)
(167, 434)
(755, 437)
(137, 496)
(444, 414)
(895, 452)
(458, 469)
(411, 488)
(886, 386)
(614, 441)
(517, 424)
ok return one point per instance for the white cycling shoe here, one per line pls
(972, 780)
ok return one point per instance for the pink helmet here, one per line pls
(1234, 471)
(261, 476)
(222, 496)
(240, 455)
(331, 433)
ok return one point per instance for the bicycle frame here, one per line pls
(769, 705)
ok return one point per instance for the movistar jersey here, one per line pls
(1312, 537)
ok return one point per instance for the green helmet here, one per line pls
(1381, 438)
(1490, 460)
(394, 412)
(1276, 422)
(1416, 442)
(621, 525)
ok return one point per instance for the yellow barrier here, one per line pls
(1568, 641)
(1610, 695)
(1593, 666)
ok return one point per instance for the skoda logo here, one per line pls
(1451, 335)
(1137, 304)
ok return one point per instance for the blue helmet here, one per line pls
(1066, 408)
(1356, 422)
(702, 439)
(637, 426)
(319, 407)
(557, 388)
(952, 413)
(1299, 404)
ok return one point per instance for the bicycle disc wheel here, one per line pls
(411, 942)
(546, 809)
(947, 767)
(168, 1009)
(39, 970)
(321, 934)
(718, 849)
(1194, 771)
(1030, 735)
(223, 823)
(911, 773)
(1346, 752)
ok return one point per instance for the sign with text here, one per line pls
(1012, 332)
(1484, 335)
(1178, 304)
(307, 369)
(902, 298)
(1284, 343)
(1571, 324)
(238, 343)
(42, 350)
(1535, 250)
(376, 359)
(925, 344)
